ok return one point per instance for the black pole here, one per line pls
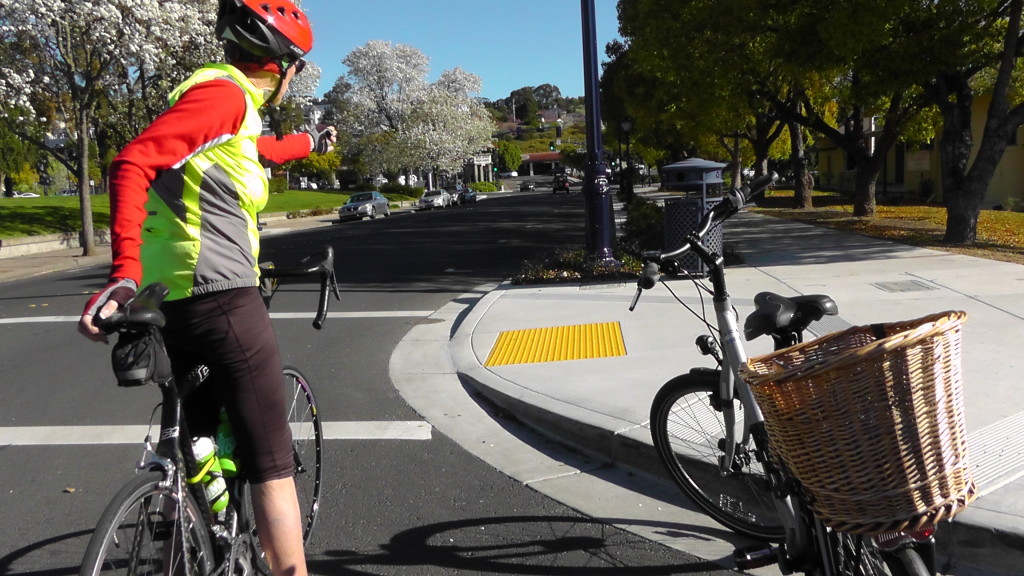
(628, 181)
(598, 203)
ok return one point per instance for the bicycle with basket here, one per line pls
(162, 521)
(844, 451)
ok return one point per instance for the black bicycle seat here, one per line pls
(776, 314)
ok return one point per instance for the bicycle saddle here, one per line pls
(776, 314)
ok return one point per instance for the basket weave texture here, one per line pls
(870, 421)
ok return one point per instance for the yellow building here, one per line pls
(912, 171)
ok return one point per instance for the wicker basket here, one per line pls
(870, 421)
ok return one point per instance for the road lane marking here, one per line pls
(273, 315)
(68, 435)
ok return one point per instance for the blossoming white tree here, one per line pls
(63, 58)
(401, 122)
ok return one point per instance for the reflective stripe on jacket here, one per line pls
(200, 232)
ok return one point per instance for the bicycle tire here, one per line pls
(686, 428)
(307, 445)
(136, 527)
(857, 555)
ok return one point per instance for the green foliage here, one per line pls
(509, 156)
(319, 166)
(574, 265)
(394, 188)
(48, 215)
(483, 187)
(278, 185)
(645, 224)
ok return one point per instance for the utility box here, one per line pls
(701, 180)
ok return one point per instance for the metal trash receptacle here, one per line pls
(701, 180)
(682, 215)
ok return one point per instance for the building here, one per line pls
(912, 171)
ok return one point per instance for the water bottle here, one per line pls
(210, 474)
(226, 447)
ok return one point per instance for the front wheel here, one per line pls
(687, 424)
(148, 529)
(307, 450)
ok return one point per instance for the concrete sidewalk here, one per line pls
(600, 406)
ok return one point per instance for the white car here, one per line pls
(434, 199)
(26, 195)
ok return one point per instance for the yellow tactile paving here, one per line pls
(557, 343)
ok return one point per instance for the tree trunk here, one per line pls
(802, 191)
(84, 198)
(864, 188)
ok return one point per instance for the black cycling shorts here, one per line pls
(230, 332)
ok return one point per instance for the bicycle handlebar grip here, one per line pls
(758, 186)
(649, 276)
(321, 307)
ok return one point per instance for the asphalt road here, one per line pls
(392, 504)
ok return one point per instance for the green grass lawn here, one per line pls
(57, 214)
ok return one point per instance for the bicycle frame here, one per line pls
(731, 385)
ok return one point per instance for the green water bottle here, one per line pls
(226, 447)
(210, 473)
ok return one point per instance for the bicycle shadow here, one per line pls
(45, 550)
(523, 545)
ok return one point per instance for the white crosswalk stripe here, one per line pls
(67, 435)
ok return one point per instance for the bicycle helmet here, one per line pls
(271, 29)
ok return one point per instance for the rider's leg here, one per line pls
(279, 524)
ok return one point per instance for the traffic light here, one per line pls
(558, 131)
(494, 168)
(551, 145)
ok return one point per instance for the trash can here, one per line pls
(701, 181)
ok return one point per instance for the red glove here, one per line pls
(119, 290)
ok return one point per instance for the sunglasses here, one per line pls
(299, 65)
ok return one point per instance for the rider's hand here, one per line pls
(323, 138)
(104, 303)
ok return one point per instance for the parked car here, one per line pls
(560, 184)
(25, 195)
(526, 186)
(456, 193)
(364, 205)
(434, 199)
(468, 195)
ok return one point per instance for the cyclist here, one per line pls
(184, 196)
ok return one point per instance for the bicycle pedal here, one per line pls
(755, 556)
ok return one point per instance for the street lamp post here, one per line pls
(600, 222)
(627, 182)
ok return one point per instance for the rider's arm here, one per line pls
(291, 147)
(205, 114)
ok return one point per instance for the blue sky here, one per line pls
(507, 44)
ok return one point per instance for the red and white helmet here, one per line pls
(273, 29)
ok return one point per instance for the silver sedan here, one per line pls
(364, 205)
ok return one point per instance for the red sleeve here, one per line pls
(291, 147)
(204, 114)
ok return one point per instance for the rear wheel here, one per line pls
(148, 529)
(686, 426)
(856, 555)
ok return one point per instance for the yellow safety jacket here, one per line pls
(200, 231)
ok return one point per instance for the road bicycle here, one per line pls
(710, 434)
(160, 523)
